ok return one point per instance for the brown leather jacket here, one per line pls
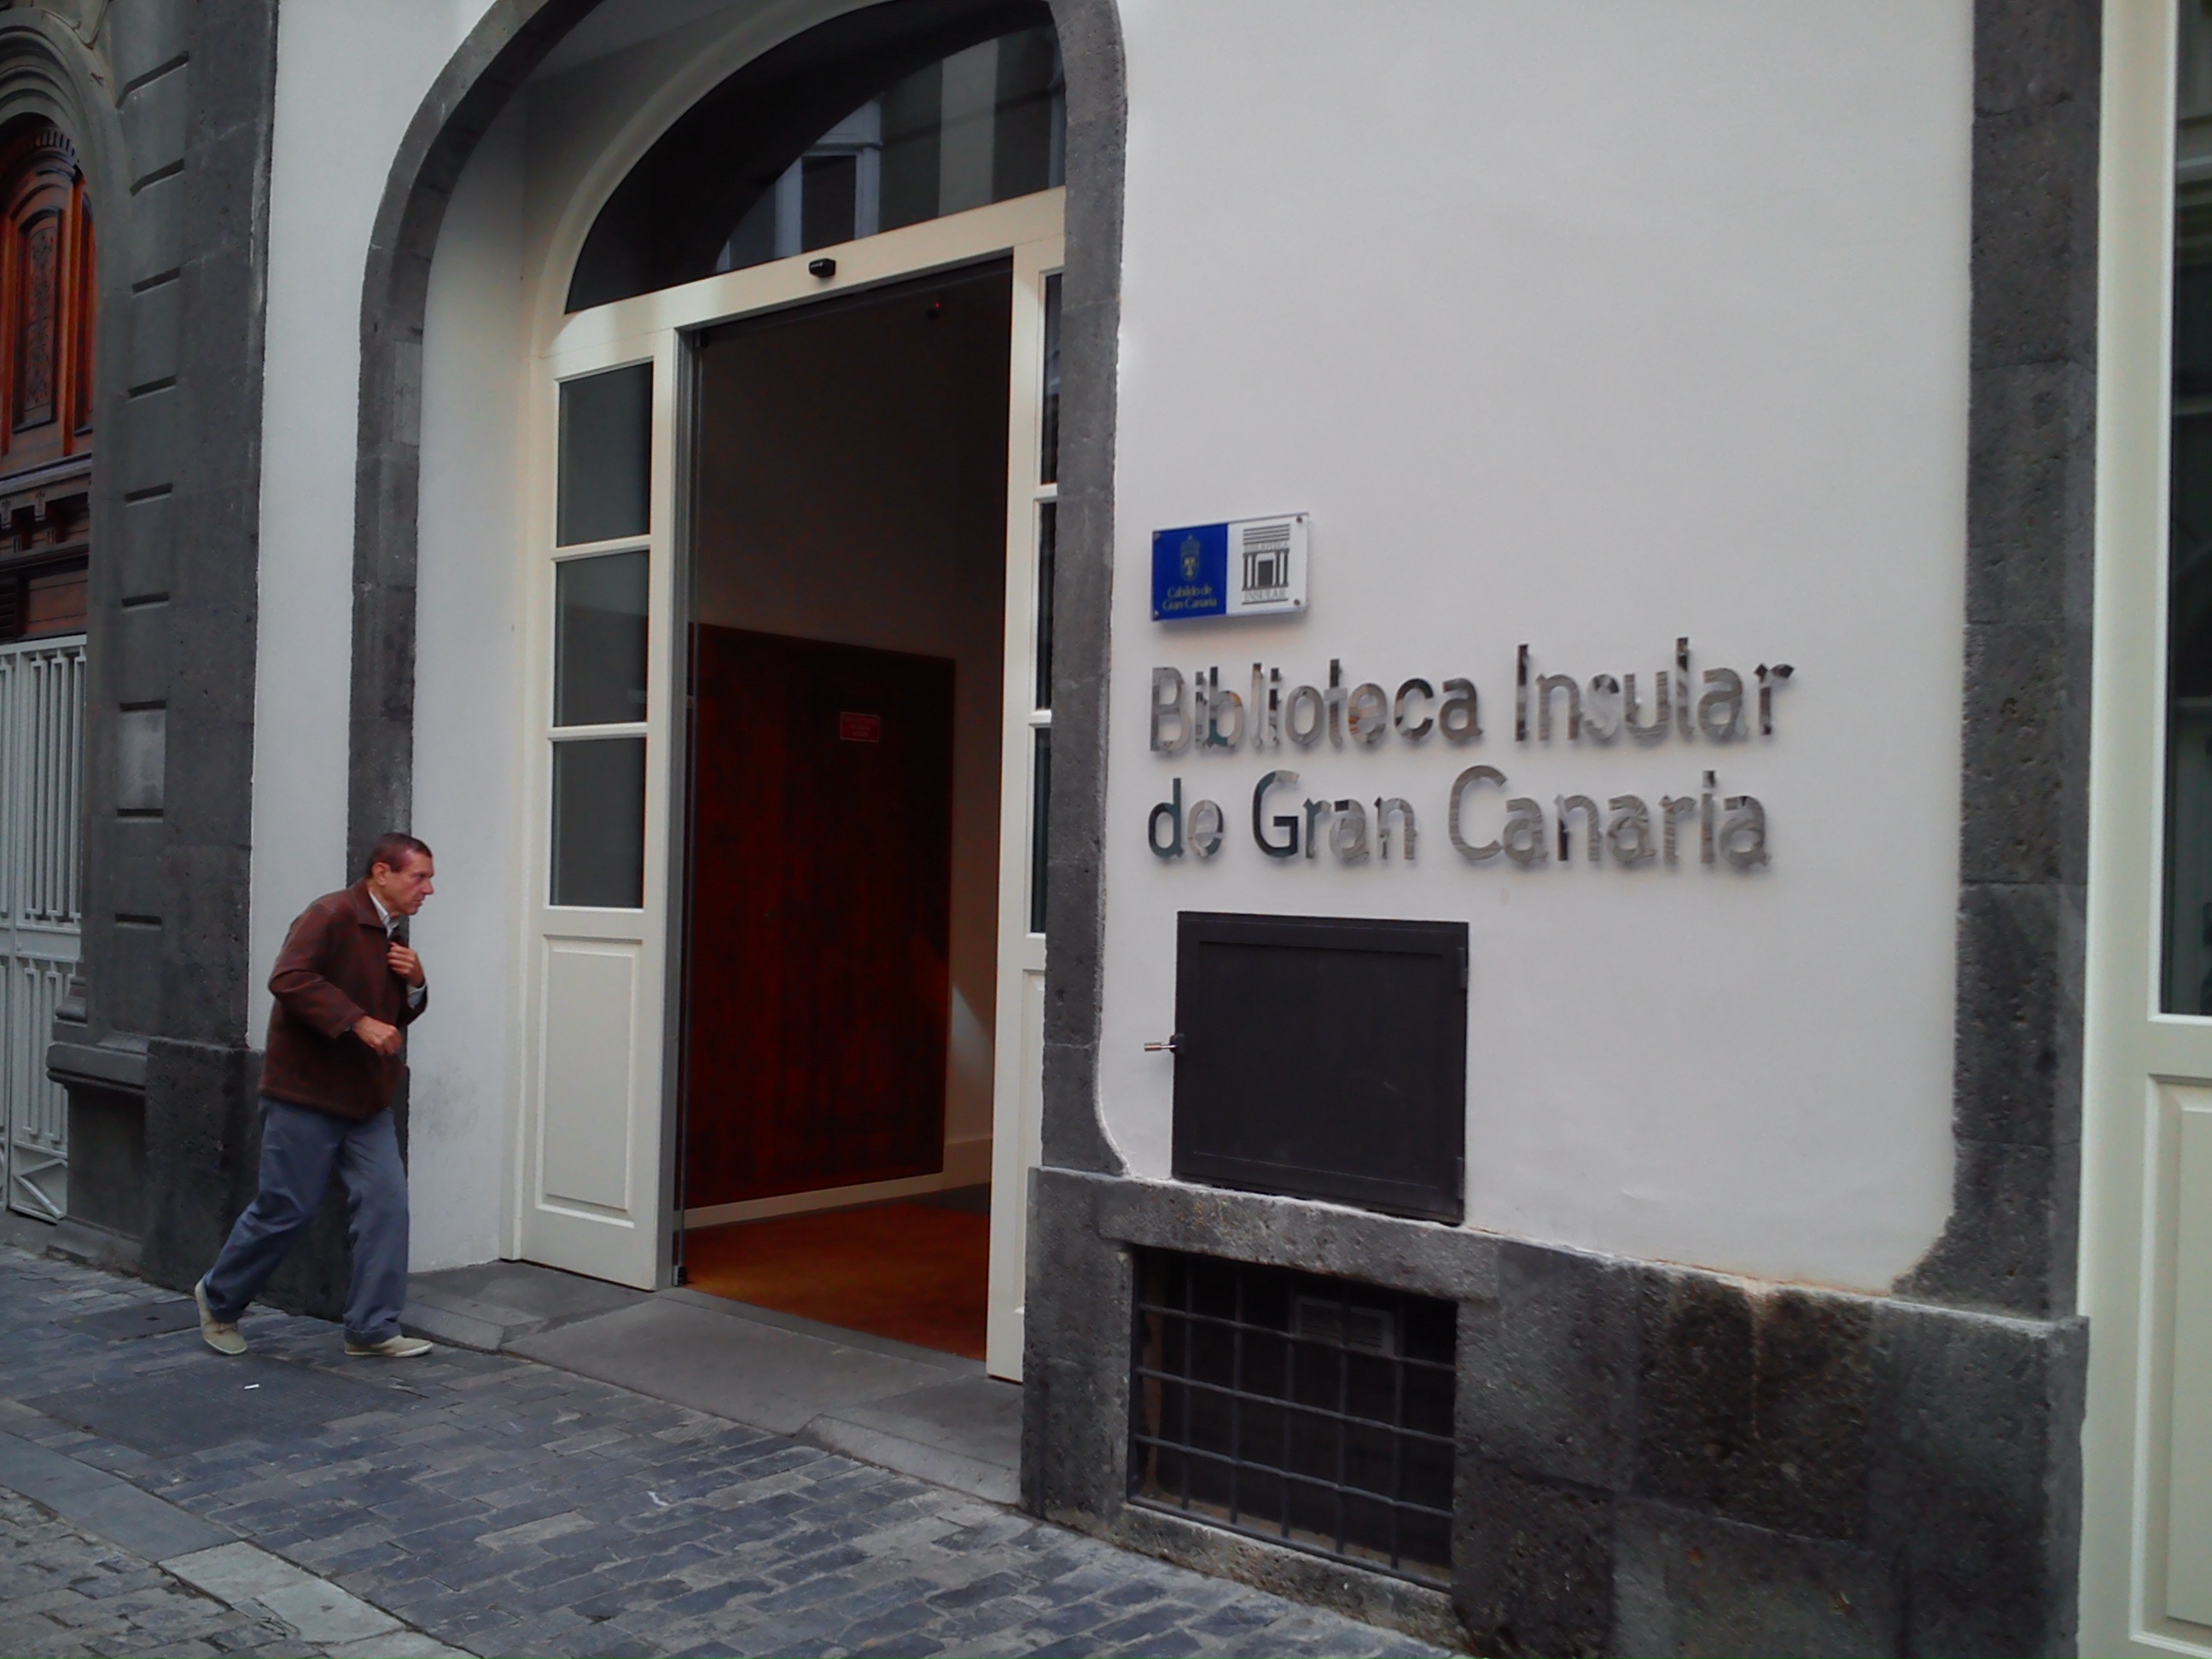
(330, 973)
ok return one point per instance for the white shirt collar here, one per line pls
(382, 914)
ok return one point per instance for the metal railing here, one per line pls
(41, 804)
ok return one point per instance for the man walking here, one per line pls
(345, 984)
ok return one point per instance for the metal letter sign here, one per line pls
(1246, 568)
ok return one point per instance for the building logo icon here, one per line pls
(1266, 548)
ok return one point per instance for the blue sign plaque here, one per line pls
(1245, 568)
(1190, 572)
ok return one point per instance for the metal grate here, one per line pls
(1311, 1411)
(42, 688)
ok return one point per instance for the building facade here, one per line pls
(1496, 707)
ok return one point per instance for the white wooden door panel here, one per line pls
(589, 1196)
(2187, 1384)
(587, 1088)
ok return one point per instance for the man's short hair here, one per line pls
(392, 850)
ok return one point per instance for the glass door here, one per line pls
(2147, 1137)
(595, 1161)
(601, 590)
(1026, 790)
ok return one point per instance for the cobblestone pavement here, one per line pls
(63, 1591)
(502, 1507)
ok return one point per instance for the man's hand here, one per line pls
(384, 1039)
(403, 963)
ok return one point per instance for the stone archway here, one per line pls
(514, 38)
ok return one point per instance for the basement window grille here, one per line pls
(1309, 1412)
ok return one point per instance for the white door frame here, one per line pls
(2147, 1117)
(617, 1136)
(1017, 1030)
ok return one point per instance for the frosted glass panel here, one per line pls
(2187, 975)
(1049, 462)
(599, 639)
(1040, 824)
(598, 822)
(606, 454)
(1048, 547)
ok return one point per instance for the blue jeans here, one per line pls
(300, 1147)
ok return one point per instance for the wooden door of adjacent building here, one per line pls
(821, 892)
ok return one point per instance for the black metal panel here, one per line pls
(1322, 1057)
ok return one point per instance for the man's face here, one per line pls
(402, 890)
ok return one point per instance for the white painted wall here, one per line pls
(1578, 325)
(467, 680)
(349, 79)
(1584, 325)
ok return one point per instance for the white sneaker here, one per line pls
(221, 1334)
(392, 1348)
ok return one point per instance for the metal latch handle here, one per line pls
(1172, 1046)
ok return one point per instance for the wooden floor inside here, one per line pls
(916, 1272)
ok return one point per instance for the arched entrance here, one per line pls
(793, 465)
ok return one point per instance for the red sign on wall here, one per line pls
(861, 728)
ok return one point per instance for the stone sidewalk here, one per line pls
(490, 1504)
(63, 1591)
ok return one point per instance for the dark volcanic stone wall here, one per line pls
(1651, 1460)
(174, 103)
